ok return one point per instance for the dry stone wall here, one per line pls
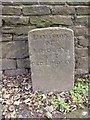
(19, 18)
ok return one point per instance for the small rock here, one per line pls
(11, 108)
(44, 97)
(48, 115)
(50, 93)
(84, 113)
(16, 97)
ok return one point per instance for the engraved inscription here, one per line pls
(65, 36)
(48, 51)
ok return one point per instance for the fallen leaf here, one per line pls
(17, 102)
(27, 100)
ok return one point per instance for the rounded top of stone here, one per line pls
(51, 29)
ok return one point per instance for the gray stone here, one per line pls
(81, 52)
(83, 41)
(0, 36)
(7, 64)
(82, 10)
(15, 49)
(1, 72)
(78, 30)
(0, 49)
(82, 65)
(11, 10)
(17, 30)
(8, 30)
(0, 21)
(6, 37)
(15, 20)
(15, 72)
(20, 37)
(36, 10)
(0, 14)
(82, 20)
(0, 64)
(51, 53)
(81, 71)
(50, 20)
(23, 63)
(63, 10)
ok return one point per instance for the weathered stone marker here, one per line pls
(52, 59)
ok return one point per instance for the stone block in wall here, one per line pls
(82, 65)
(7, 64)
(89, 63)
(0, 39)
(15, 72)
(11, 10)
(81, 71)
(15, 49)
(82, 10)
(0, 49)
(22, 30)
(50, 20)
(23, 63)
(80, 30)
(15, 20)
(63, 10)
(20, 37)
(78, 3)
(14, 3)
(82, 20)
(7, 30)
(0, 19)
(83, 41)
(89, 50)
(18, 30)
(81, 52)
(6, 37)
(0, 64)
(1, 75)
(36, 10)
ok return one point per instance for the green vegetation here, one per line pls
(77, 96)
(59, 104)
(64, 100)
(80, 91)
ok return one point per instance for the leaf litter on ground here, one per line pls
(17, 95)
